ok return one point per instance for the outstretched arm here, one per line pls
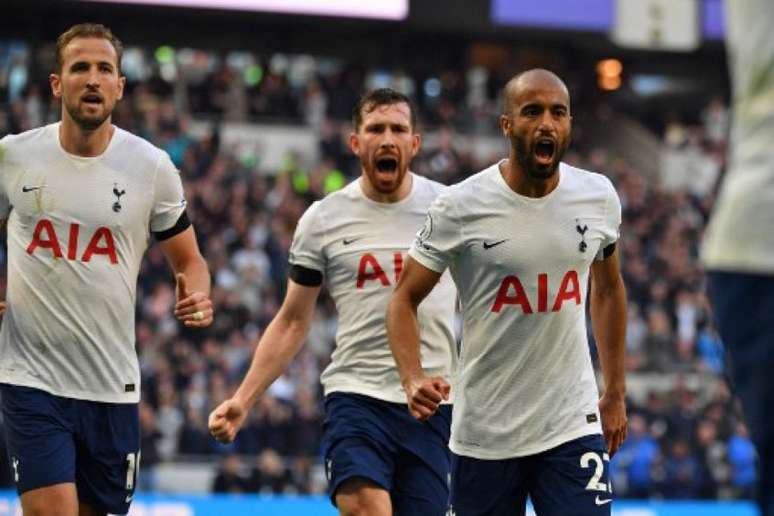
(608, 319)
(280, 342)
(423, 393)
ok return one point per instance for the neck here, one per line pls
(521, 183)
(398, 194)
(80, 142)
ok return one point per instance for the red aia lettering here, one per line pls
(368, 260)
(569, 291)
(511, 292)
(44, 236)
(369, 270)
(49, 242)
(397, 264)
(108, 249)
(504, 297)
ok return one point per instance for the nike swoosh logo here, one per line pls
(349, 241)
(600, 501)
(128, 498)
(487, 245)
(26, 189)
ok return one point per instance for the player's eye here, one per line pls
(531, 111)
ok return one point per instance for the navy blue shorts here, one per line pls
(53, 440)
(569, 480)
(743, 305)
(380, 441)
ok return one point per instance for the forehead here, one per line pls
(540, 92)
(398, 113)
(89, 49)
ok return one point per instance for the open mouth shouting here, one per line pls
(387, 166)
(545, 150)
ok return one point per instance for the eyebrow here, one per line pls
(555, 105)
(100, 63)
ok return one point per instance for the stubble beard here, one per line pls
(87, 123)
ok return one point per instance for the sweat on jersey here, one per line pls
(77, 230)
(359, 245)
(740, 235)
(521, 265)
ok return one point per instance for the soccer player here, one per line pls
(520, 239)
(379, 460)
(738, 250)
(81, 198)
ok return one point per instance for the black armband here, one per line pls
(304, 276)
(608, 251)
(181, 225)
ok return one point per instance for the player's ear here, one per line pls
(121, 84)
(505, 125)
(56, 85)
(354, 143)
(416, 144)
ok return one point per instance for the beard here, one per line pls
(88, 122)
(525, 156)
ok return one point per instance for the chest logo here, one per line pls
(488, 245)
(118, 193)
(582, 231)
(26, 189)
(347, 241)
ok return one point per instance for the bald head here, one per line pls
(537, 79)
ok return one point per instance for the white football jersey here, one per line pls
(359, 245)
(77, 230)
(740, 235)
(525, 382)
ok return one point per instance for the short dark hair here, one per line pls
(87, 30)
(381, 97)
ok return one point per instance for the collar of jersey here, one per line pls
(500, 180)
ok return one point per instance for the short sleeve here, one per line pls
(168, 197)
(5, 204)
(436, 244)
(612, 220)
(307, 247)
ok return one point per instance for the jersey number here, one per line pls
(599, 469)
(132, 464)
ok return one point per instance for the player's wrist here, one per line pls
(412, 377)
(244, 401)
(615, 393)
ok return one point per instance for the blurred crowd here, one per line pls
(686, 438)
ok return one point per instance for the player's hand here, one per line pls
(2, 307)
(612, 408)
(194, 309)
(226, 420)
(424, 395)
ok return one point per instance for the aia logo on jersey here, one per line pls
(100, 243)
(369, 269)
(511, 292)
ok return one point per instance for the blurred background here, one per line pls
(252, 101)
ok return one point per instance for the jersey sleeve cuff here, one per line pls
(426, 261)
